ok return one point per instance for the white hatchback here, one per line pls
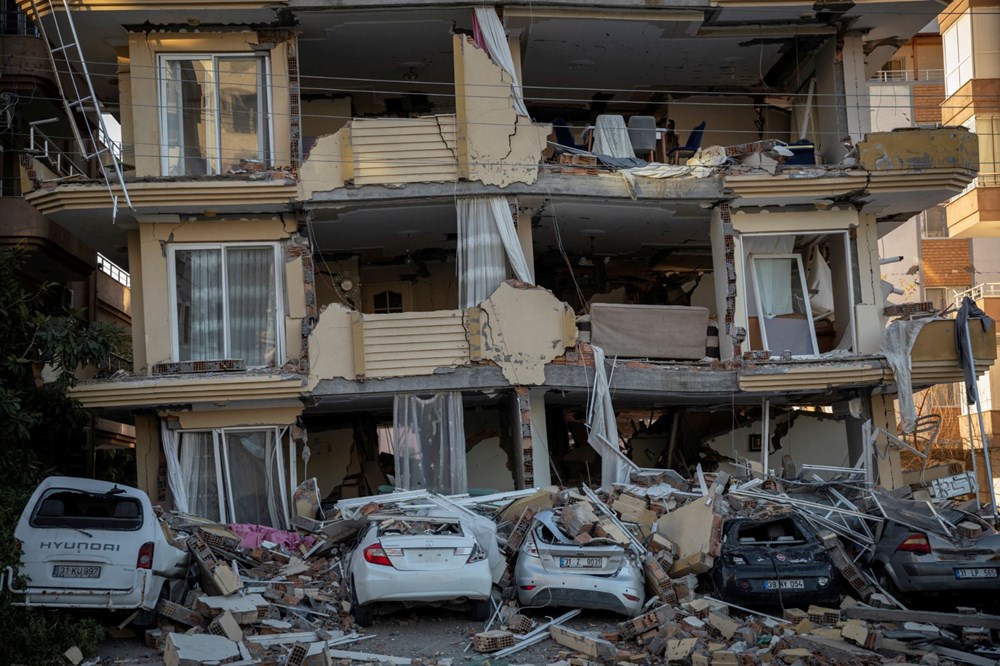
(416, 560)
(92, 544)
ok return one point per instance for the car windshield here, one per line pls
(783, 531)
(76, 509)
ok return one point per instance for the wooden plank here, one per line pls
(930, 617)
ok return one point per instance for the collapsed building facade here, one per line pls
(363, 249)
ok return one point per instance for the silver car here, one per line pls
(554, 570)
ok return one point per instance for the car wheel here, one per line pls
(482, 609)
(886, 582)
(364, 616)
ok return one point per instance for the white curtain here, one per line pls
(429, 443)
(205, 320)
(485, 234)
(199, 468)
(611, 137)
(603, 429)
(175, 476)
(491, 31)
(773, 278)
(251, 296)
(253, 480)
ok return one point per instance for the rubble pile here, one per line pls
(254, 600)
(271, 597)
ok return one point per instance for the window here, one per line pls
(941, 297)
(934, 223)
(958, 54)
(236, 474)
(387, 302)
(77, 509)
(215, 111)
(226, 303)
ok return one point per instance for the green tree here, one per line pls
(41, 350)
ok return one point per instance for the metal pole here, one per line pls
(765, 436)
(982, 426)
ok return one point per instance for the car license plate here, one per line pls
(64, 571)
(581, 562)
(786, 584)
(983, 572)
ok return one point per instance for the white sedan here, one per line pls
(418, 560)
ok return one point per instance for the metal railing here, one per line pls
(908, 75)
(982, 290)
(114, 270)
(46, 149)
(13, 22)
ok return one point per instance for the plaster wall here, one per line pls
(236, 418)
(144, 49)
(329, 458)
(495, 145)
(730, 120)
(523, 329)
(904, 240)
(810, 440)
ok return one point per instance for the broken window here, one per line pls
(783, 531)
(76, 509)
(799, 292)
(214, 113)
(231, 475)
(226, 303)
(387, 302)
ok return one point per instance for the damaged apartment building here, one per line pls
(467, 248)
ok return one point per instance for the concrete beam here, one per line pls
(552, 185)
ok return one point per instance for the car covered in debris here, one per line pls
(553, 569)
(946, 551)
(93, 544)
(416, 560)
(775, 561)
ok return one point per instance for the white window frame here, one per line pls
(214, 166)
(761, 318)
(279, 291)
(224, 481)
(959, 50)
(748, 273)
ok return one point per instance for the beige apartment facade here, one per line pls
(345, 216)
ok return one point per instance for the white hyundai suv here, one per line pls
(92, 544)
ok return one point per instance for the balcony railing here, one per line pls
(908, 75)
(983, 290)
(114, 270)
(47, 150)
(16, 23)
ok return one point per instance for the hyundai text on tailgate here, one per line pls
(92, 544)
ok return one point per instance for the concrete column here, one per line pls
(724, 267)
(147, 458)
(857, 111)
(868, 317)
(525, 476)
(524, 216)
(539, 439)
(883, 415)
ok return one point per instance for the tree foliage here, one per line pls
(41, 350)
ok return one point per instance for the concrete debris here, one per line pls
(290, 603)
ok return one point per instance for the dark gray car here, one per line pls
(916, 555)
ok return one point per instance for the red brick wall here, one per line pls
(927, 103)
(946, 262)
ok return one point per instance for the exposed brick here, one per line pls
(947, 262)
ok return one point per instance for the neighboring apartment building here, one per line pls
(948, 251)
(326, 200)
(87, 283)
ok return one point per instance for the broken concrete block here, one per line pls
(680, 649)
(723, 625)
(695, 529)
(216, 574)
(73, 655)
(588, 645)
(607, 529)
(578, 517)
(178, 613)
(492, 641)
(226, 625)
(196, 649)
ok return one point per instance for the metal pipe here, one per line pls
(982, 426)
